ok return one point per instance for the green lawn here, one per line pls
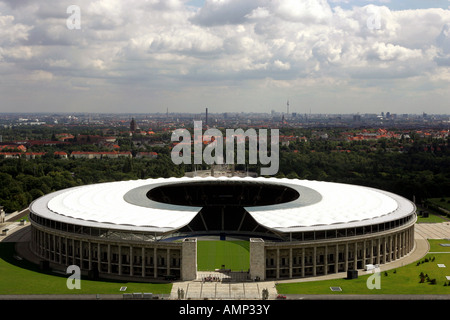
(233, 255)
(404, 280)
(433, 217)
(22, 277)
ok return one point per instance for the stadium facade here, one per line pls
(148, 229)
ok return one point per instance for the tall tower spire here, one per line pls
(133, 125)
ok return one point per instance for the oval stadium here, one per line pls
(150, 229)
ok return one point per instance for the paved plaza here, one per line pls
(223, 290)
(433, 230)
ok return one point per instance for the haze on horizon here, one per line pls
(139, 56)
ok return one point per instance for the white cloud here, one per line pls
(169, 46)
(12, 32)
(307, 11)
(282, 65)
(390, 52)
(39, 75)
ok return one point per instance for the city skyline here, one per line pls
(336, 56)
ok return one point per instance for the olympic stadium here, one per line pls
(148, 229)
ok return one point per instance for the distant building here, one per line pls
(60, 154)
(95, 139)
(15, 147)
(99, 155)
(133, 125)
(64, 136)
(356, 118)
(150, 155)
(18, 155)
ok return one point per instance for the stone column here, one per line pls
(336, 260)
(378, 250)
(277, 259)
(188, 259)
(390, 248)
(314, 260)
(346, 257)
(120, 259)
(395, 247)
(54, 248)
(60, 249)
(2, 215)
(385, 246)
(364, 254)
(143, 261)
(409, 240)
(99, 257)
(109, 258)
(403, 242)
(45, 245)
(372, 258)
(155, 262)
(290, 262)
(303, 262)
(73, 251)
(168, 261)
(131, 261)
(90, 255)
(81, 254)
(67, 250)
(257, 259)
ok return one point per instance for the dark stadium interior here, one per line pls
(223, 219)
(223, 203)
(223, 193)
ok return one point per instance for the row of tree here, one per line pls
(420, 169)
(22, 181)
(418, 175)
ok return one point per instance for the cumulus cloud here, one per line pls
(172, 45)
(442, 57)
(12, 32)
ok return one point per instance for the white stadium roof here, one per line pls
(124, 205)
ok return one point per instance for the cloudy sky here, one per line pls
(335, 56)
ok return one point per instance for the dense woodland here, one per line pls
(414, 167)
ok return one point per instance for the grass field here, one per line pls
(434, 216)
(22, 277)
(233, 255)
(404, 280)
